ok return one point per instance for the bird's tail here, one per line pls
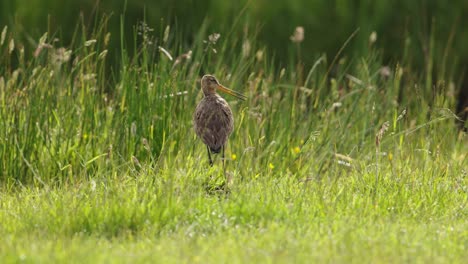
(215, 150)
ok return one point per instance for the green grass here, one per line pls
(100, 163)
(169, 217)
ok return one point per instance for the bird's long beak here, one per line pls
(232, 92)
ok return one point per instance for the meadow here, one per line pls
(345, 160)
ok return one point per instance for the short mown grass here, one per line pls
(99, 162)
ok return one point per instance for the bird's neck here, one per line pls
(211, 94)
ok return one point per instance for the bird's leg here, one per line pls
(224, 162)
(226, 176)
(209, 156)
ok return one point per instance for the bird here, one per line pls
(213, 120)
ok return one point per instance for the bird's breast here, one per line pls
(213, 111)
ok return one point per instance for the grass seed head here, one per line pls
(380, 134)
(166, 33)
(11, 46)
(3, 36)
(298, 35)
(213, 38)
(165, 52)
(144, 141)
(403, 113)
(246, 47)
(136, 161)
(373, 37)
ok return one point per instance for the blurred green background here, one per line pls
(327, 23)
(419, 31)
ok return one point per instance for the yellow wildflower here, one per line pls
(297, 150)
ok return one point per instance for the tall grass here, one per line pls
(67, 114)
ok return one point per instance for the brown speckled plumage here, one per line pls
(213, 120)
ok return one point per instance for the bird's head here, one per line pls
(210, 84)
